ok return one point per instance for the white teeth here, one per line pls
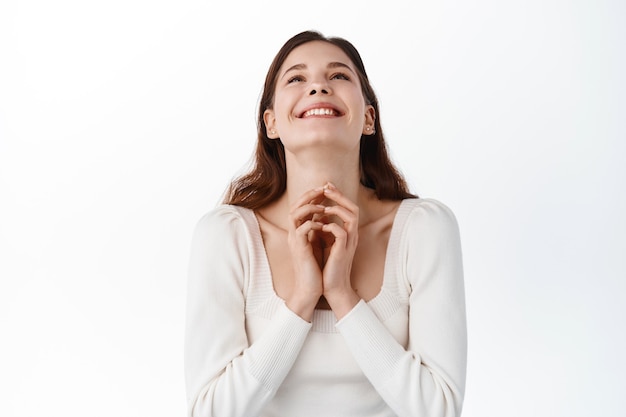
(319, 112)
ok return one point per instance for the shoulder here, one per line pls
(429, 223)
(432, 243)
(222, 239)
(224, 216)
(427, 211)
(225, 223)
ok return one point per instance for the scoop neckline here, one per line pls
(324, 319)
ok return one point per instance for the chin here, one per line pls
(326, 138)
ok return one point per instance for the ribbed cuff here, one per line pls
(372, 345)
(274, 353)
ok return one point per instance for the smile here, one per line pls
(324, 111)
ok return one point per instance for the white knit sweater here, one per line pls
(402, 353)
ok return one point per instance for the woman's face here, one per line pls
(318, 100)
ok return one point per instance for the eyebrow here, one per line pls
(298, 67)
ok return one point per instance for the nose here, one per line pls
(322, 91)
(320, 86)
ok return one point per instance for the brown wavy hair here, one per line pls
(267, 180)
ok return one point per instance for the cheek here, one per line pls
(283, 106)
(360, 112)
(358, 102)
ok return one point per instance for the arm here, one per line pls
(428, 377)
(226, 376)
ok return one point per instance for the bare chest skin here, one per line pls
(367, 267)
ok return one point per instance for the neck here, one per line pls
(313, 170)
(310, 170)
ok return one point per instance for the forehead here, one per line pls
(316, 52)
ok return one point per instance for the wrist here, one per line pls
(342, 301)
(302, 306)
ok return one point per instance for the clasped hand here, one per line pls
(323, 236)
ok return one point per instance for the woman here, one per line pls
(323, 287)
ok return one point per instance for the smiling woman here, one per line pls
(323, 286)
(319, 98)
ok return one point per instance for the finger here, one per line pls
(306, 206)
(340, 234)
(345, 210)
(331, 192)
(349, 218)
(314, 196)
(299, 240)
(303, 231)
(303, 213)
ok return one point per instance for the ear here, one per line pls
(270, 124)
(370, 118)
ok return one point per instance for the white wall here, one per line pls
(121, 123)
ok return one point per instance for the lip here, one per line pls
(338, 112)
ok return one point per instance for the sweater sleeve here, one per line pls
(225, 375)
(427, 378)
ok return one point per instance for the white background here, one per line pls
(121, 123)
